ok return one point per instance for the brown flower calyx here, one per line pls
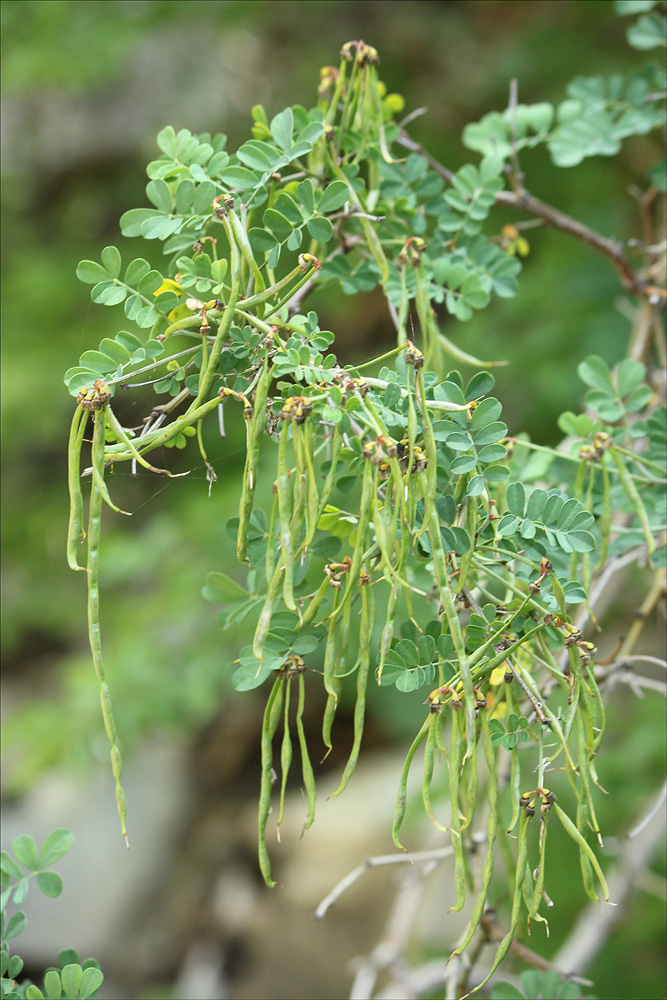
(593, 452)
(293, 666)
(222, 205)
(413, 356)
(350, 386)
(96, 397)
(296, 408)
(419, 459)
(335, 571)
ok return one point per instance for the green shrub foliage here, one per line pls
(412, 539)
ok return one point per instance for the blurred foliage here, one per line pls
(75, 77)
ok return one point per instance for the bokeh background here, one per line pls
(86, 86)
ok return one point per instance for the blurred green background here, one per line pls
(86, 86)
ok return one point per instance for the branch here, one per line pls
(376, 862)
(613, 249)
(525, 202)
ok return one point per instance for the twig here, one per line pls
(377, 862)
(621, 675)
(657, 805)
(612, 249)
(525, 202)
(404, 139)
(638, 658)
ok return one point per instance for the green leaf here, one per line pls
(579, 425)
(15, 966)
(114, 350)
(221, 589)
(311, 132)
(33, 993)
(91, 981)
(426, 648)
(107, 293)
(111, 260)
(625, 7)
(475, 486)
(129, 341)
(536, 504)
(252, 674)
(91, 272)
(282, 128)
(258, 155)
(407, 651)
(261, 240)
(306, 195)
(594, 371)
(97, 362)
(574, 593)
(333, 197)
(285, 204)
(294, 240)
(581, 541)
(132, 221)
(9, 867)
(158, 192)
(15, 925)
(56, 844)
(239, 178)
(204, 195)
(71, 977)
(320, 229)
(184, 196)
(628, 375)
(485, 413)
(516, 499)
(25, 851)
(638, 398)
(67, 956)
(496, 473)
(50, 883)
(649, 32)
(52, 985)
(78, 379)
(21, 892)
(411, 680)
(492, 453)
(505, 991)
(543, 984)
(480, 384)
(160, 227)
(279, 225)
(166, 140)
(466, 463)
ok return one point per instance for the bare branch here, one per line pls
(377, 862)
(650, 814)
(612, 249)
